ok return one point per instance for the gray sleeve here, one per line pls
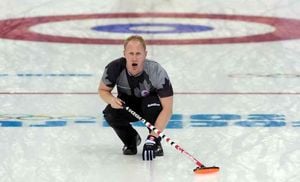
(105, 78)
(160, 80)
(112, 72)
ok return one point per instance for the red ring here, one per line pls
(19, 29)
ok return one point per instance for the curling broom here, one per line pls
(201, 169)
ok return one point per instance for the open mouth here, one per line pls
(134, 64)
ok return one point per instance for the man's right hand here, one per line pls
(116, 103)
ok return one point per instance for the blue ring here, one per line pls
(129, 28)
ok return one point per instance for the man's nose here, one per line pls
(135, 56)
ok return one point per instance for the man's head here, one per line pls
(135, 53)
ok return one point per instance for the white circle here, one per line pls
(221, 28)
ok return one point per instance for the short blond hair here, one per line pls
(137, 38)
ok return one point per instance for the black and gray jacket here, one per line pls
(153, 80)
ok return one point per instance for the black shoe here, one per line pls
(159, 150)
(132, 150)
(129, 150)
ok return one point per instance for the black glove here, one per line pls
(149, 148)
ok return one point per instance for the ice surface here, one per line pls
(237, 103)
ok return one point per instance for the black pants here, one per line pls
(119, 119)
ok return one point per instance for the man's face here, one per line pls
(135, 55)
